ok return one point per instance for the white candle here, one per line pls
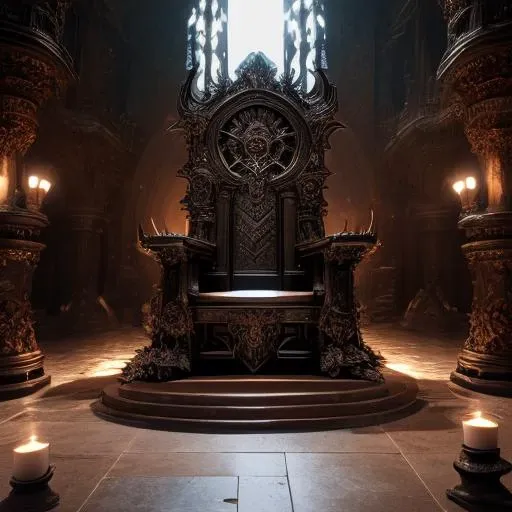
(480, 433)
(31, 460)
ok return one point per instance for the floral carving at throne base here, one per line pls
(255, 333)
(170, 327)
(344, 353)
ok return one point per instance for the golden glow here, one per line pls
(107, 373)
(33, 181)
(112, 367)
(406, 369)
(478, 421)
(33, 446)
(494, 173)
(45, 185)
(4, 179)
(470, 183)
(459, 186)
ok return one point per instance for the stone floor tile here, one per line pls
(426, 433)
(70, 438)
(264, 494)
(80, 412)
(74, 479)
(200, 464)
(346, 470)
(425, 441)
(149, 494)
(368, 440)
(436, 471)
(356, 483)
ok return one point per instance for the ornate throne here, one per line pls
(255, 284)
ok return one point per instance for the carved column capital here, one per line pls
(488, 125)
(481, 76)
(27, 81)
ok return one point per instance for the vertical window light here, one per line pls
(255, 25)
(222, 33)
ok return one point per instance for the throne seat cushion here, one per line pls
(257, 297)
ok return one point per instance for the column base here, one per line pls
(484, 373)
(22, 375)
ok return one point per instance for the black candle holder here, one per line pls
(31, 496)
(480, 489)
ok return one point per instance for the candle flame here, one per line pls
(33, 439)
(477, 414)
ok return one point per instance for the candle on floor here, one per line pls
(480, 433)
(31, 460)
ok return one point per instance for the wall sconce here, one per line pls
(38, 189)
(466, 189)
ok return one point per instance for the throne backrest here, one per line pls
(256, 174)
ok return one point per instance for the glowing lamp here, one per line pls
(480, 468)
(470, 183)
(45, 185)
(480, 433)
(33, 181)
(31, 460)
(459, 186)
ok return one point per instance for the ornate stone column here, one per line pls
(34, 67)
(477, 71)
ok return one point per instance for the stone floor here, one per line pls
(104, 467)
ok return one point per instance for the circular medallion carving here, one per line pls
(258, 137)
(257, 142)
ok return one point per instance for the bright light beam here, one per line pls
(255, 25)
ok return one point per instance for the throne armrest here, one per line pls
(180, 257)
(358, 242)
(334, 250)
(175, 242)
